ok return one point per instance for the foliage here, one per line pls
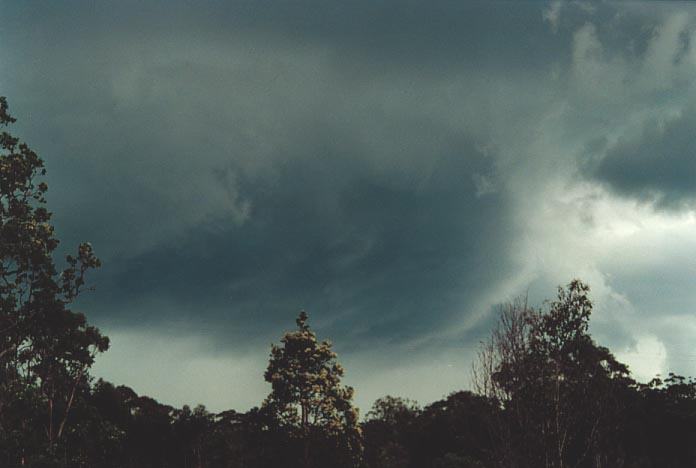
(389, 431)
(394, 411)
(46, 349)
(307, 398)
(557, 389)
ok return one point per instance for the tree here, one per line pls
(46, 349)
(394, 411)
(190, 429)
(659, 428)
(390, 432)
(455, 430)
(244, 440)
(307, 397)
(556, 388)
(452, 432)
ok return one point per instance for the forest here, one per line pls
(543, 393)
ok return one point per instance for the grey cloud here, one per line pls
(138, 125)
(658, 166)
(393, 167)
(239, 181)
(387, 257)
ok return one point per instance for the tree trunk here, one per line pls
(305, 433)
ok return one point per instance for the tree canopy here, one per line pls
(46, 349)
(307, 397)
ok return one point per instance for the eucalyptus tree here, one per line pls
(46, 349)
(559, 392)
(308, 399)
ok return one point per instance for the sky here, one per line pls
(395, 168)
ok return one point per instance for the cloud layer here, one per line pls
(395, 169)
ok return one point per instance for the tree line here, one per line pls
(544, 393)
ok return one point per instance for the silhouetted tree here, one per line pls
(46, 349)
(557, 388)
(190, 428)
(659, 426)
(390, 432)
(455, 430)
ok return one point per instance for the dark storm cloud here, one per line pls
(395, 168)
(443, 32)
(240, 162)
(658, 165)
(371, 256)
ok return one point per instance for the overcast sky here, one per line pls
(396, 168)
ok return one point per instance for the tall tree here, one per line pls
(46, 349)
(307, 397)
(557, 389)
